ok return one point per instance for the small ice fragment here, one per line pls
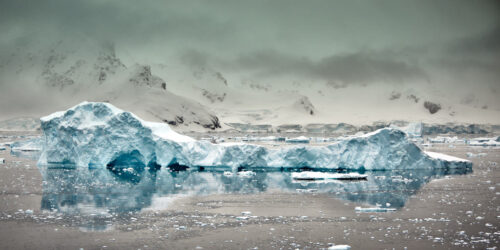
(373, 209)
(242, 218)
(28, 211)
(246, 173)
(339, 247)
(246, 213)
(2, 160)
(472, 155)
(308, 190)
(300, 139)
(311, 176)
(228, 173)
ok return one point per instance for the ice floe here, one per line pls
(311, 176)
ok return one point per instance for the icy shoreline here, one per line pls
(99, 134)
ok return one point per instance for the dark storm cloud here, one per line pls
(475, 54)
(350, 41)
(359, 67)
(126, 22)
(487, 43)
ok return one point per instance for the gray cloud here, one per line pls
(353, 41)
(360, 67)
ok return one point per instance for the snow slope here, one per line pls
(189, 96)
(99, 134)
(51, 78)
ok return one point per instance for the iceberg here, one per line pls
(94, 134)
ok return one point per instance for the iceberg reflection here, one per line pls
(107, 191)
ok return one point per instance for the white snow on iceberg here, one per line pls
(99, 135)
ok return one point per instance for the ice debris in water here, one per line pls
(339, 247)
(485, 141)
(472, 155)
(28, 145)
(326, 176)
(99, 134)
(300, 139)
(373, 209)
(2, 160)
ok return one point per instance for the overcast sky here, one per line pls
(349, 41)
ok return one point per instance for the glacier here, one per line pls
(95, 134)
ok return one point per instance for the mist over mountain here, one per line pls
(206, 63)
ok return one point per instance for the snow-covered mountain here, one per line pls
(58, 77)
(193, 96)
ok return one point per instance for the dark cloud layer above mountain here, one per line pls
(347, 40)
(359, 67)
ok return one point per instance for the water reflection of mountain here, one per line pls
(93, 191)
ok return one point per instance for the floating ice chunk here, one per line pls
(321, 139)
(2, 148)
(246, 213)
(308, 190)
(484, 141)
(339, 247)
(34, 144)
(311, 176)
(446, 139)
(264, 139)
(100, 135)
(246, 173)
(228, 173)
(374, 209)
(472, 155)
(2, 160)
(300, 139)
